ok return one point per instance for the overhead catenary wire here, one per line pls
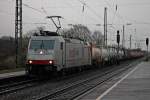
(43, 11)
(82, 12)
(35, 9)
(125, 18)
(92, 18)
(94, 12)
(114, 12)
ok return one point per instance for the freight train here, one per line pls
(58, 54)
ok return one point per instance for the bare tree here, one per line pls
(77, 31)
(98, 37)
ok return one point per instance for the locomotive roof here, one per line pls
(49, 33)
(69, 40)
(60, 38)
(47, 38)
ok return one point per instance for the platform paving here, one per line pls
(134, 85)
(12, 74)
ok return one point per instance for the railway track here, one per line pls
(17, 85)
(9, 80)
(66, 92)
(76, 89)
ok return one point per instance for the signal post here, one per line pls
(147, 43)
(118, 41)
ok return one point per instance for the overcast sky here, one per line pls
(135, 12)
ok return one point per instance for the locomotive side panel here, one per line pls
(77, 55)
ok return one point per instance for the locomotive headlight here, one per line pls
(50, 62)
(30, 61)
(41, 52)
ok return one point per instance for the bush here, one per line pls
(7, 52)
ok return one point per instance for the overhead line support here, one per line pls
(18, 31)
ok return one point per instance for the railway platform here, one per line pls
(134, 85)
(11, 74)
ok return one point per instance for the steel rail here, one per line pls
(67, 88)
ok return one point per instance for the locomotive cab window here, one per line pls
(36, 44)
(48, 44)
(42, 44)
